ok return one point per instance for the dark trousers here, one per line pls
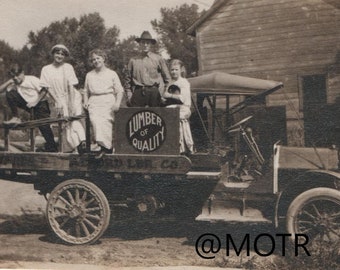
(146, 96)
(40, 111)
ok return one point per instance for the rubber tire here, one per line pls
(100, 195)
(303, 199)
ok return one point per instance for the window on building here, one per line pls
(314, 106)
(314, 90)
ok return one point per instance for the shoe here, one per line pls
(95, 148)
(102, 152)
(108, 151)
(13, 120)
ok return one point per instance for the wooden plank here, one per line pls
(303, 60)
(236, 67)
(255, 49)
(39, 122)
(32, 140)
(36, 123)
(272, 8)
(259, 42)
(61, 137)
(279, 73)
(6, 139)
(245, 55)
(252, 41)
(34, 161)
(236, 9)
(275, 10)
(294, 17)
(276, 58)
(32, 137)
(204, 175)
(62, 162)
(285, 34)
(258, 16)
(264, 3)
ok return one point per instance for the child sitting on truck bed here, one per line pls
(23, 91)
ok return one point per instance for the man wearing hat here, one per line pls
(146, 76)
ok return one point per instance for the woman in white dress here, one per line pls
(59, 79)
(103, 95)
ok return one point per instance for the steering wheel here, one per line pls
(239, 123)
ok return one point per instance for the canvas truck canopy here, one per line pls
(219, 83)
(224, 83)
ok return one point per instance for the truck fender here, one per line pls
(330, 179)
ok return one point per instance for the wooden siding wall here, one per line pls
(275, 39)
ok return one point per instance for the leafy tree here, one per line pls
(126, 49)
(111, 46)
(7, 56)
(40, 43)
(172, 31)
(80, 36)
(90, 35)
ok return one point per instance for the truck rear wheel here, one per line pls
(78, 212)
(315, 213)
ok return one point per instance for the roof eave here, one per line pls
(192, 29)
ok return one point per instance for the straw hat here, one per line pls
(60, 47)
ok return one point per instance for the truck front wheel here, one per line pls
(78, 212)
(315, 213)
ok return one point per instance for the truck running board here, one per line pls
(232, 215)
(236, 205)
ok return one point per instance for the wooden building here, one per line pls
(296, 42)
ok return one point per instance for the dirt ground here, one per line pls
(25, 236)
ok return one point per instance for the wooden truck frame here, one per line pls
(146, 176)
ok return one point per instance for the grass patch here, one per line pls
(324, 255)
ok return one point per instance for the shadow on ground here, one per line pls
(139, 229)
(27, 223)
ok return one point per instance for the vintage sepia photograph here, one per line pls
(179, 134)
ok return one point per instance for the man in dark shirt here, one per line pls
(146, 76)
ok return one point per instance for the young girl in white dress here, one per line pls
(179, 90)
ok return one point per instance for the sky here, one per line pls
(19, 17)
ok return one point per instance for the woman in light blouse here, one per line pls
(103, 95)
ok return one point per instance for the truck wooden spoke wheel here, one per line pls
(316, 213)
(78, 212)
